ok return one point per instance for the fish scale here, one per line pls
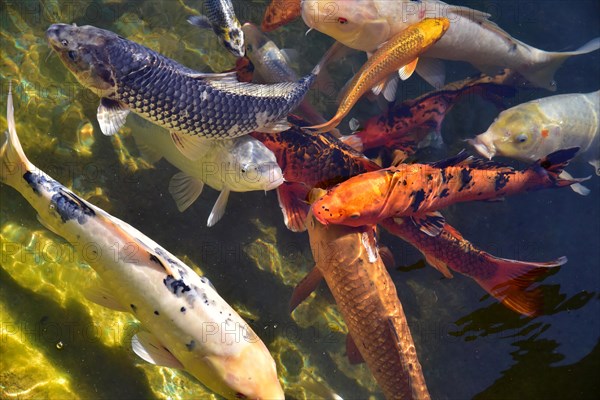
(368, 301)
(212, 106)
(194, 106)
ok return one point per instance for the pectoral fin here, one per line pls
(352, 351)
(405, 72)
(433, 71)
(219, 208)
(47, 225)
(185, 190)
(191, 146)
(103, 296)
(390, 89)
(596, 165)
(292, 200)
(305, 287)
(148, 154)
(111, 116)
(576, 187)
(431, 223)
(147, 347)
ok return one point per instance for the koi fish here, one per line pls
(279, 13)
(241, 164)
(534, 129)
(348, 259)
(170, 300)
(321, 161)
(220, 17)
(419, 190)
(401, 52)
(193, 106)
(472, 37)
(271, 66)
(405, 126)
(309, 161)
(506, 280)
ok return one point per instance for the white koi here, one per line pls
(533, 130)
(367, 24)
(189, 326)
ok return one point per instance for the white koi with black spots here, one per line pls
(189, 326)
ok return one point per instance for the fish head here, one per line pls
(233, 39)
(356, 24)
(251, 374)
(255, 166)
(517, 133)
(83, 50)
(355, 202)
(254, 38)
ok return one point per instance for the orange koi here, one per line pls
(400, 52)
(507, 280)
(348, 259)
(279, 13)
(419, 190)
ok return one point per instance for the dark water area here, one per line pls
(56, 344)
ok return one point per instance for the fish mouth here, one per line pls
(275, 183)
(483, 145)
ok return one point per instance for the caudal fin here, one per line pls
(512, 281)
(542, 75)
(13, 162)
(554, 164)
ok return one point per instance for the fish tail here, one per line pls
(512, 281)
(542, 75)
(13, 162)
(553, 165)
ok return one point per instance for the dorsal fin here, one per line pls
(464, 159)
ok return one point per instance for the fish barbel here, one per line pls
(532, 130)
(419, 190)
(348, 259)
(220, 17)
(193, 106)
(401, 50)
(366, 24)
(176, 306)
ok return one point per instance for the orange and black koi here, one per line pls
(419, 190)
(310, 161)
(509, 281)
(405, 125)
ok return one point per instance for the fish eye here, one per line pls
(249, 47)
(72, 55)
(521, 138)
(342, 20)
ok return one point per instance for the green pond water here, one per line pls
(55, 344)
